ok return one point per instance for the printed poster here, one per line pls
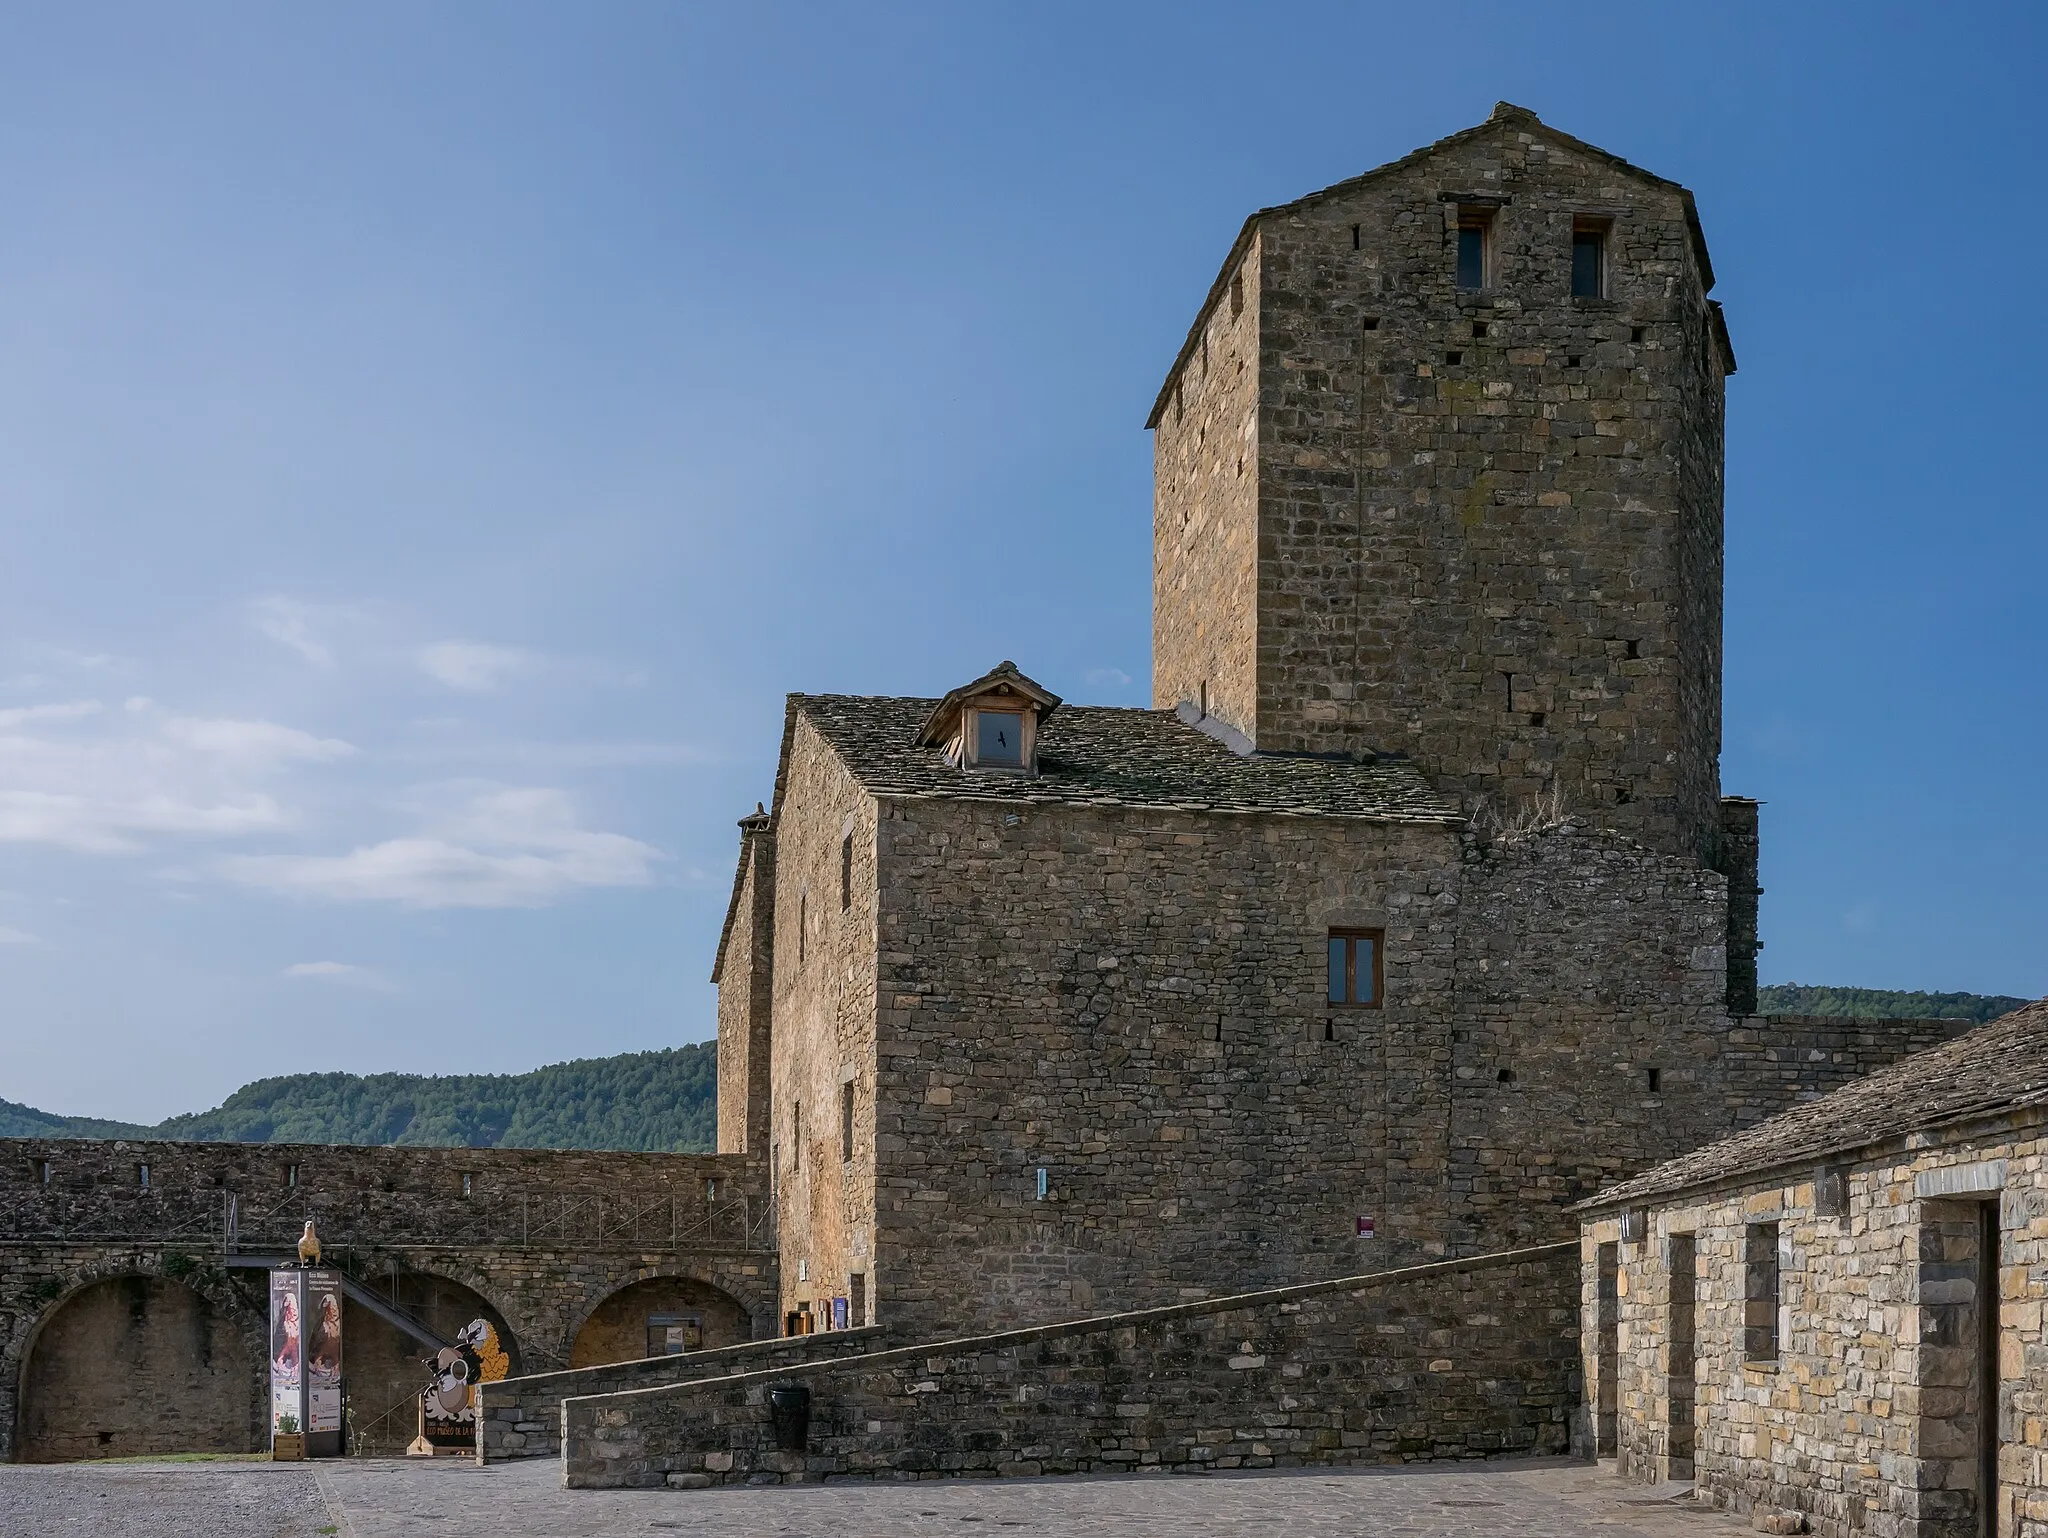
(323, 1355)
(287, 1354)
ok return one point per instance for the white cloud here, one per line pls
(501, 848)
(470, 666)
(342, 972)
(1114, 678)
(290, 624)
(21, 937)
(81, 777)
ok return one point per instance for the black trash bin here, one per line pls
(789, 1406)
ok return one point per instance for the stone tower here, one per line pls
(1438, 472)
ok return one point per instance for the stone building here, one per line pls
(1837, 1314)
(1412, 912)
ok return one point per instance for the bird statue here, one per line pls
(309, 1246)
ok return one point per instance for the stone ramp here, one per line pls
(1467, 1358)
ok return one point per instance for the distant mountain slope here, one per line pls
(662, 1101)
(1882, 1004)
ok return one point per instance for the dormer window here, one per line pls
(999, 738)
(992, 723)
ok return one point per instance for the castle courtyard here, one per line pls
(1538, 1498)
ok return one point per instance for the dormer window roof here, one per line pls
(991, 723)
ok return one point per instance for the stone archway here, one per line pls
(385, 1368)
(658, 1314)
(135, 1364)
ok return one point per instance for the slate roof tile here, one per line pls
(1093, 755)
(1997, 1067)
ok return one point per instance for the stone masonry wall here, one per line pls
(1205, 534)
(541, 1241)
(522, 1417)
(1134, 1002)
(745, 976)
(824, 1025)
(1865, 1419)
(1472, 1359)
(1489, 522)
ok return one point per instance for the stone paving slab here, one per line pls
(1524, 1499)
(162, 1500)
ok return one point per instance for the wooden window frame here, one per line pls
(1379, 969)
(1483, 218)
(1601, 228)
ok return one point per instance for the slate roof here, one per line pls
(1092, 755)
(1998, 1067)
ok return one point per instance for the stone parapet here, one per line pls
(1462, 1359)
(522, 1417)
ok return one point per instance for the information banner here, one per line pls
(305, 1360)
(323, 1356)
(287, 1353)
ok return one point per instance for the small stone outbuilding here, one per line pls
(1838, 1313)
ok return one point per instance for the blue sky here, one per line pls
(432, 440)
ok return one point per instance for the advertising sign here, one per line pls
(323, 1355)
(305, 1361)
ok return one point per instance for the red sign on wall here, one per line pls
(1364, 1226)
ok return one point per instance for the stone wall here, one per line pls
(1488, 523)
(745, 975)
(522, 1417)
(540, 1243)
(1470, 1359)
(1206, 515)
(1865, 1418)
(824, 1038)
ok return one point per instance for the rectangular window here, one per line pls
(1475, 249)
(846, 873)
(1760, 1292)
(468, 1183)
(857, 1292)
(1589, 259)
(846, 1122)
(42, 1171)
(291, 1176)
(999, 738)
(796, 1134)
(142, 1176)
(1355, 976)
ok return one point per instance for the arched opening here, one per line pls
(140, 1365)
(384, 1369)
(660, 1316)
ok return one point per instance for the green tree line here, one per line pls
(1883, 1004)
(662, 1101)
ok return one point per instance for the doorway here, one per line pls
(1679, 1360)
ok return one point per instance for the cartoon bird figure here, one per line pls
(492, 1360)
(309, 1246)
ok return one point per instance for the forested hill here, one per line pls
(661, 1101)
(1883, 1004)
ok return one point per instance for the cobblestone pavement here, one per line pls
(1550, 1499)
(161, 1500)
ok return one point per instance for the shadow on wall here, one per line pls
(660, 1316)
(140, 1365)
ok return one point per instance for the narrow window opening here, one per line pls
(1479, 328)
(1505, 1076)
(1589, 262)
(846, 1123)
(142, 1176)
(1371, 323)
(42, 1172)
(1511, 690)
(1571, 360)
(1635, 333)
(803, 924)
(1203, 696)
(796, 1134)
(1635, 650)
(857, 1299)
(1356, 963)
(1537, 718)
(1454, 357)
(291, 1176)
(1474, 264)
(1356, 237)
(468, 1183)
(1236, 297)
(1044, 1183)
(1329, 1029)
(1654, 1077)
(846, 872)
(1760, 1292)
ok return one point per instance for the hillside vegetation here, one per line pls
(656, 1101)
(1883, 1004)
